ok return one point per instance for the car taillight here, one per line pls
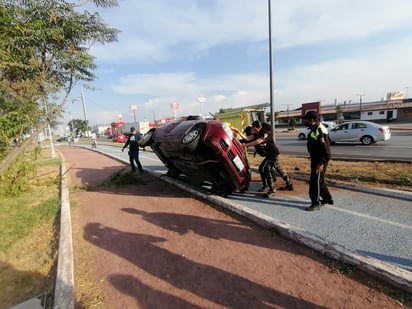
(382, 130)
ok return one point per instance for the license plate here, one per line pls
(238, 163)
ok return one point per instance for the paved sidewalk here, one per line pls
(282, 213)
(368, 227)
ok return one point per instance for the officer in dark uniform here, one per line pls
(265, 146)
(319, 149)
(133, 143)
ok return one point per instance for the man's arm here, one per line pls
(255, 142)
(126, 144)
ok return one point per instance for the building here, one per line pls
(380, 111)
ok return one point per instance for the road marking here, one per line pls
(404, 226)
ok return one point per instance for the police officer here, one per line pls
(319, 150)
(133, 143)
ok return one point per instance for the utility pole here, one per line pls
(84, 105)
(360, 105)
(288, 112)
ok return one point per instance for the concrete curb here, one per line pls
(64, 289)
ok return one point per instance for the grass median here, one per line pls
(29, 231)
(388, 175)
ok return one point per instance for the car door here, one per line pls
(357, 131)
(340, 133)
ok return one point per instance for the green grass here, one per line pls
(20, 215)
(29, 234)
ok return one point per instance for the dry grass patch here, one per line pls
(377, 174)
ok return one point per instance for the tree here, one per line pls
(339, 114)
(292, 123)
(78, 126)
(44, 48)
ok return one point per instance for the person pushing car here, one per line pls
(262, 140)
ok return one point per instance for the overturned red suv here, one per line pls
(203, 149)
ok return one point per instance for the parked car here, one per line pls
(205, 149)
(364, 132)
(119, 138)
(62, 139)
(303, 133)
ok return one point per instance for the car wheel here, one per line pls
(174, 173)
(223, 188)
(191, 139)
(301, 136)
(147, 139)
(367, 140)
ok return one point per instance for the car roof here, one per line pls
(361, 121)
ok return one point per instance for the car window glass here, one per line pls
(359, 126)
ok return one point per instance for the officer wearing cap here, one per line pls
(319, 150)
(133, 143)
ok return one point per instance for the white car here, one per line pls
(364, 132)
(303, 133)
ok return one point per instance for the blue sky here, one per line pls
(174, 51)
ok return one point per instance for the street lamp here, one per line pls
(360, 105)
(272, 121)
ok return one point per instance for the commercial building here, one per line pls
(389, 110)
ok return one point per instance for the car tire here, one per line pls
(147, 139)
(223, 188)
(367, 140)
(191, 139)
(173, 172)
(301, 136)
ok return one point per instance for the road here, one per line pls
(398, 148)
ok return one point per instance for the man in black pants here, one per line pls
(266, 147)
(133, 143)
(319, 150)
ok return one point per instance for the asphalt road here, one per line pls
(398, 148)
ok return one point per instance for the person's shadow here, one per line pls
(216, 285)
(210, 228)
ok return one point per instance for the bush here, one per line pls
(17, 178)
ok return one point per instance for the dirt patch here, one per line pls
(154, 246)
